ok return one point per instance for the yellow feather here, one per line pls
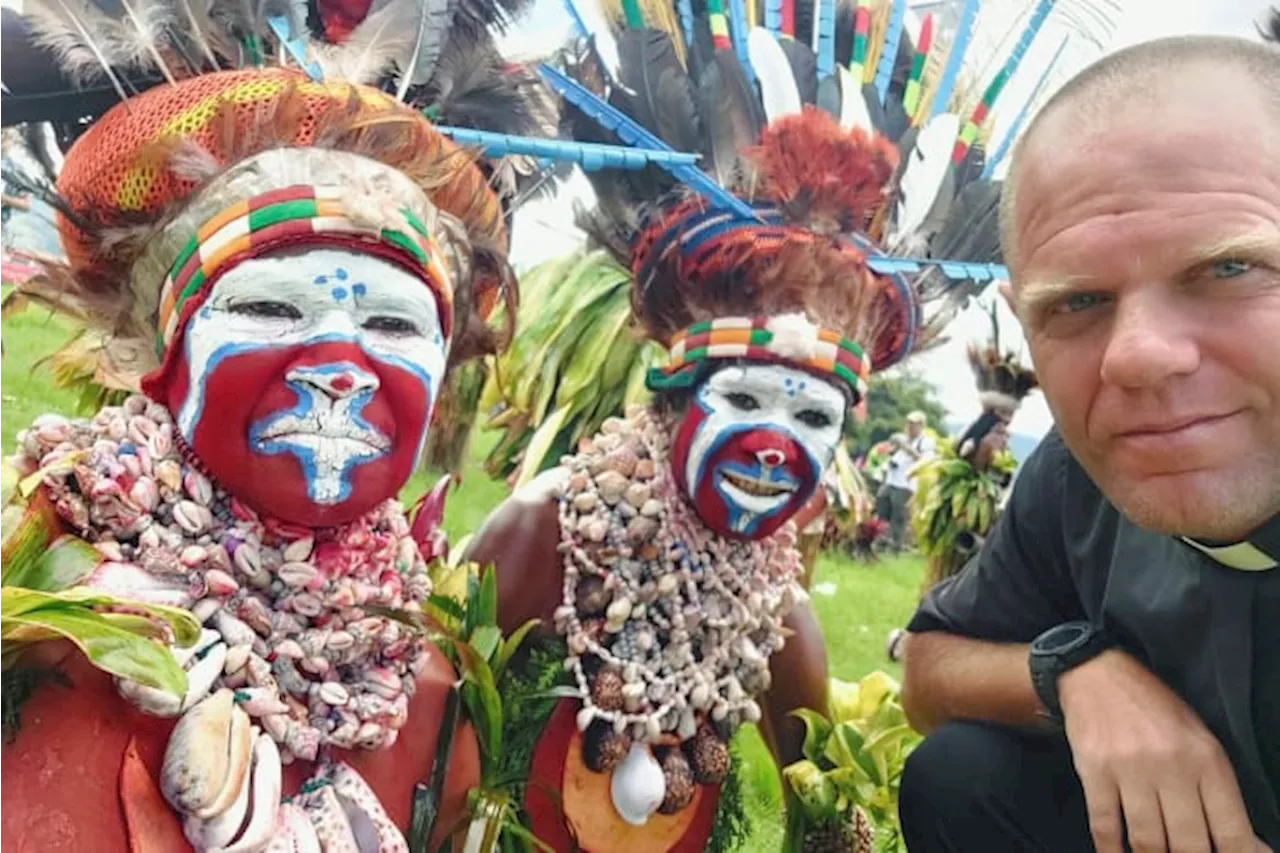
(933, 66)
(659, 14)
(875, 38)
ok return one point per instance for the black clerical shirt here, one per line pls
(1062, 552)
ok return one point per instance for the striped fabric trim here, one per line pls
(289, 215)
(787, 340)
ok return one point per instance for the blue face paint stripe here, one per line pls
(736, 512)
(305, 455)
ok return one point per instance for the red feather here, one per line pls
(827, 179)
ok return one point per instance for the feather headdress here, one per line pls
(1003, 381)
(318, 113)
(842, 174)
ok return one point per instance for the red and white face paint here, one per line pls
(306, 382)
(752, 447)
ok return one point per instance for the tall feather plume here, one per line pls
(193, 20)
(473, 87)
(83, 39)
(434, 18)
(846, 12)
(731, 118)
(804, 68)
(657, 14)
(144, 25)
(496, 15)
(45, 192)
(649, 65)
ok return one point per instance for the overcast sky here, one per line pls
(544, 228)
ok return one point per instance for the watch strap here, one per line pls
(1059, 650)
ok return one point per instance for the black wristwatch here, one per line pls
(1058, 650)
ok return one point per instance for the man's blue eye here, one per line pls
(1230, 268)
(1081, 302)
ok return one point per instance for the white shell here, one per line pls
(637, 787)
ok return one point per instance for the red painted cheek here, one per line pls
(250, 387)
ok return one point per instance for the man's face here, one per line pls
(914, 428)
(306, 382)
(1147, 276)
(751, 449)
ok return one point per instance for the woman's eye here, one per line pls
(1230, 268)
(814, 419)
(391, 325)
(266, 308)
(742, 402)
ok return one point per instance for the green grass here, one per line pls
(857, 605)
(26, 390)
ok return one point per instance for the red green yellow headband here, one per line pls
(789, 339)
(292, 216)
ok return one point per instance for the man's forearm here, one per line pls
(949, 677)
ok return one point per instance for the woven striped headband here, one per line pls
(788, 339)
(298, 215)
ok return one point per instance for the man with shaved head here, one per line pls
(1106, 673)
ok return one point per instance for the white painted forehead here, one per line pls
(780, 376)
(311, 271)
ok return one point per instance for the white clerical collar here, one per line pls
(1242, 555)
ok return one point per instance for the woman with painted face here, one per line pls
(306, 255)
(660, 558)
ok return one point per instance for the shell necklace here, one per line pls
(287, 664)
(669, 626)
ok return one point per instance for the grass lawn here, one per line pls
(857, 604)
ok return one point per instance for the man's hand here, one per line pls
(1149, 765)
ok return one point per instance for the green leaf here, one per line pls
(889, 740)
(511, 644)
(472, 617)
(27, 535)
(447, 608)
(111, 648)
(816, 731)
(844, 745)
(483, 702)
(542, 440)
(66, 562)
(9, 478)
(815, 792)
(854, 783)
(561, 691)
(15, 601)
(487, 612)
(485, 639)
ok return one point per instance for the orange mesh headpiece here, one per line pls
(139, 166)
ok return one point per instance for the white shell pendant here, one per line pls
(637, 786)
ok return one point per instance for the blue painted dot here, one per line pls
(340, 274)
(438, 340)
(359, 289)
(320, 279)
(205, 313)
(339, 293)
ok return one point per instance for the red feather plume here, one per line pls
(828, 179)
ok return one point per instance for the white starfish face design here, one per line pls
(307, 380)
(325, 431)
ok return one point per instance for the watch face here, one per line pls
(1062, 638)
